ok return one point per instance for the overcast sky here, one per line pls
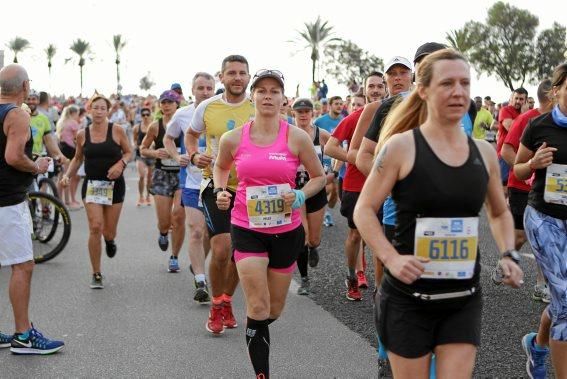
(174, 39)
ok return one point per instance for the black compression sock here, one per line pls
(302, 261)
(258, 342)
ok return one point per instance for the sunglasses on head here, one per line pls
(269, 72)
(145, 115)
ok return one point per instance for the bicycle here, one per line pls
(51, 225)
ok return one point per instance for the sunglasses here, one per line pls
(264, 72)
(145, 115)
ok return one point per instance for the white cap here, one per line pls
(398, 60)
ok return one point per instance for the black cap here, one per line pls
(426, 49)
(302, 103)
(261, 74)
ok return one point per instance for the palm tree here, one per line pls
(146, 82)
(81, 48)
(118, 46)
(17, 45)
(461, 40)
(50, 52)
(317, 35)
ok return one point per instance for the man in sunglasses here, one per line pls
(190, 180)
(214, 117)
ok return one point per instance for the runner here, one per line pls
(165, 181)
(105, 150)
(145, 166)
(266, 230)
(66, 131)
(422, 299)
(214, 117)
(190, 180)
(352, 185)
(17, 170)
(518, 189)
(314, 209)
(41, 130)
(543, 149)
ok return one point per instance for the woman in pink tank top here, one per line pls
(266, 231)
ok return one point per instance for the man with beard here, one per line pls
(214, 117)
(41, 130)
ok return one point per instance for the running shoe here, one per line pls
(384, 369)
(33, 342)
(535, 364)
(353, 293)
(201, 293)
(541, 293)
(214, 323)
(228, 319)
(163, 242)
(5, 340)
(313, 258)
(304, 287)
(328, 221)
(362, 282)
(111, 248)
(173, 264)
(96, 282)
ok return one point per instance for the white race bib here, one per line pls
(100, 192)
(266, 206)
(450, 244)
(556, 184)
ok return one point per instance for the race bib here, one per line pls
(266, 207)
(450, 244)
(170, 163)
(556, 184)
(100, 192)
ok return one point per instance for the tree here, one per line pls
(146, 82)
(81, 48)
(118, 44)
(504, 45)
(550, 50)
(316, 35)
(348, 63)
(50, 53)
(17, 45)
(462, 40)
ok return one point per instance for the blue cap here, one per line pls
(175, 86)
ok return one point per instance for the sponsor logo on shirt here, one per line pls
(277, 156)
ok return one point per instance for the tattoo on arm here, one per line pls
(379, 162)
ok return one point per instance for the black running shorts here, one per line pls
(348, 202)
(518, 200)
(218, 222)
(412, 328)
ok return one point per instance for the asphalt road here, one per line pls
(145, 324)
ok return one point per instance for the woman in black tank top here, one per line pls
(430, 299)
(105, 150)
(143, 165)
(313, 211)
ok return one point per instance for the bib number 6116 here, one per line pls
(449, 249)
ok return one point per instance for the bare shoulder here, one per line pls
(298, 135)
(17, 117)
(401, 143)
(232, 137)
(371, 108)
(485, 148)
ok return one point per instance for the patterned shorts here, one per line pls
(548, 238)
(164, 183)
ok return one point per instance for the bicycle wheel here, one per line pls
(48, 186)
(51, 225)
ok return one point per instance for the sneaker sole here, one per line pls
(3, 345)
(32, 351)
(212, 332)
(173, 271)
(526, 351)
(353, 299)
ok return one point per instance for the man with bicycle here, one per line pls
(16, 173)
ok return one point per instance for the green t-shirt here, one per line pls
(483, 116)
(40, 126)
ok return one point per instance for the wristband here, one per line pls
(299, 199)
(192, 157)
(124, 162)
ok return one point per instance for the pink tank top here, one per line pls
(264, 173)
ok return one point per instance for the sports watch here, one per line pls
(217, 190)
(513, 255)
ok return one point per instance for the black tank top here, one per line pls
(99, 157)
(14, 184)
(434, 189)
(169, 165)
(302, 176)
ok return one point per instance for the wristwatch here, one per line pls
(513, 255)
(217, 190)
(336, 173)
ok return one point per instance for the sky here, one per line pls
(174, 39)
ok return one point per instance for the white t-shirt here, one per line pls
(177, 127)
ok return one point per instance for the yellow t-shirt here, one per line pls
(482, 116)
(214, 117)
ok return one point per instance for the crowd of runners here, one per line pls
(248, 178)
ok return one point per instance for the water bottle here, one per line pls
(497, 274)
